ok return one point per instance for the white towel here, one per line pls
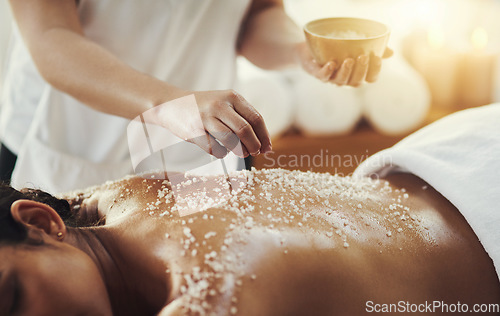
(398, 101)
(323, 108)
(459, 156)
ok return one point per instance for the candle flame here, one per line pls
(479, 38)
(436, 37)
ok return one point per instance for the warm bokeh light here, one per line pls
(479, 38)
(436, 37)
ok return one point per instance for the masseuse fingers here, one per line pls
(225, 136)
(373, 68)
(326, 72)
(244, 131)
(206, 142)
(359, 72)
(250, 127)
(310, 66)
(388, 53)
(344, 73)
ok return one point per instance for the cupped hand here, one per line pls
(351, 72)
(219, 122)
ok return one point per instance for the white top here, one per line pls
(188, 43)
(459, 156)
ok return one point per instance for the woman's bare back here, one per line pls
(277, 242)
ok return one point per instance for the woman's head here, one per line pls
(12, 231)
(41, 272)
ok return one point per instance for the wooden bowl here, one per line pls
(335, 39)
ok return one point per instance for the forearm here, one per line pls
(270, 38)
(94, 76)
(88, 72)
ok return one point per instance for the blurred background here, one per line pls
(5, 27)
(446, 59)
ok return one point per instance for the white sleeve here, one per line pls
(459, 156)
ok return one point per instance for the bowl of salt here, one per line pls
(335, 39)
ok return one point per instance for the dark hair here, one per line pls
(12, 231)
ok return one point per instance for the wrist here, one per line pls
(162, 111)
(302, 53)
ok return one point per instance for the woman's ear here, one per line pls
(40, 216)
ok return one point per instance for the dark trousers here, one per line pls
(7, 163)
(248, 162)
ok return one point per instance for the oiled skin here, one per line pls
(435, 256)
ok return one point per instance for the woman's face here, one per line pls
(50, 279)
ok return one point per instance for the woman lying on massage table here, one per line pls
(275, 243)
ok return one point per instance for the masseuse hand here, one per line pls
(226, 117)
(351, 72)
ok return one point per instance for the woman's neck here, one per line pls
(131, 276)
